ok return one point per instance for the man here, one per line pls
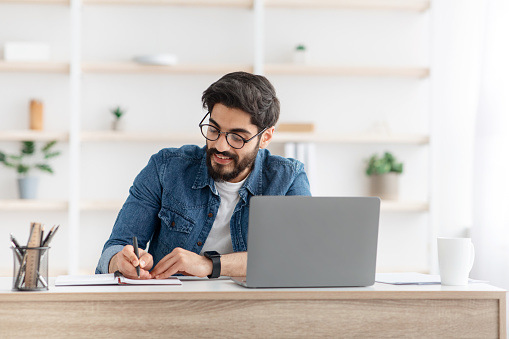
(191, 201)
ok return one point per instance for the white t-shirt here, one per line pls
(220, 238)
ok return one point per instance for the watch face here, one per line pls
(210, 254)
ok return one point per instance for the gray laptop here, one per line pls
(297, 241)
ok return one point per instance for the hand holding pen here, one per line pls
(128, 263)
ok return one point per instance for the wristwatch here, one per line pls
(216, 263)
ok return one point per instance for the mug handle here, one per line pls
(472, 256)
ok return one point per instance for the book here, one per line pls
(111, 279)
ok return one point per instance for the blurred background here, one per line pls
(422, 80)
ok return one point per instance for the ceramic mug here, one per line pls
(455, 260)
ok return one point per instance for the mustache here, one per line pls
(213, 151)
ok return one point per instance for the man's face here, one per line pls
(225, 162)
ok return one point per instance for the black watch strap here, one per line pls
(216, 263)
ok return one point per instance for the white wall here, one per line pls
(172, 103)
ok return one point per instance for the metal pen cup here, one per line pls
(30, 268)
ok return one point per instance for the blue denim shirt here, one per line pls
(173, 201)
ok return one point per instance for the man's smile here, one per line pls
(222, 159)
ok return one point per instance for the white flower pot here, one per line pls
(117, 125)
(27, 187)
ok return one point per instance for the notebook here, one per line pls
(111, 279)
(298, 241)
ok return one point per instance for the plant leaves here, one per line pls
(44, 168)
(28, 147)
(51, 155)
(23, 169)
(47, 147)
(383, 165)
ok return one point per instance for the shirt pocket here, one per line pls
(175, 228)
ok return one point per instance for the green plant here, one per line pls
(118, 112)
(300, 47)
(29, 158)
(385, 164)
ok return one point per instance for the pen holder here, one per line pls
(30, 268)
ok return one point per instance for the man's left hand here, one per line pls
(183, 262)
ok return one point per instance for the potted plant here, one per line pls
(117, 112)
(300, 55)
(384, 174)
(27, 160)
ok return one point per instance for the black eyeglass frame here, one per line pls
(219, 132)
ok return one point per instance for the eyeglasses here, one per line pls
(233, 139)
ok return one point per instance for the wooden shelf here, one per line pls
(187, 3)
(29, 135)
(279, 137)
(416, 139)
(101, 205)
(97, 136)
(40, 67)
(392, 5)
(22, 205)
(403, 206)
(331, 70)
(133, 67)
(403, 5)
(270, 69)
(37, 2)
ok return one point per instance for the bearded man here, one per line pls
(189, 207)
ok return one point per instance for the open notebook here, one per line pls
(110, 279)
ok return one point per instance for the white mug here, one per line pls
(455, 259)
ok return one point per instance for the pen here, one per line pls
(135, 245)
(50, 235)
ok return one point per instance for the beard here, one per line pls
(220, 172)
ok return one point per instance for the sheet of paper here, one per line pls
(407, 278)
(109, 279)
(412, 278)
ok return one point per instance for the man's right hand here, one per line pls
(126, 261)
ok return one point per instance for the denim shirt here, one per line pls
(173, 202)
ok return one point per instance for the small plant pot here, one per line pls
(300, 56)
(385, 186)
(28, 187)
(117, 125)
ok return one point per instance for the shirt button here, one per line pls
(210, 215)
(199, 243)
(172, 224)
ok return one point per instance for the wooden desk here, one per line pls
(222, 309)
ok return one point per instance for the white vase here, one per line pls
(27, 187)
(300, 56)
(117, 125)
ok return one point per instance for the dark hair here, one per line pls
(250, 93)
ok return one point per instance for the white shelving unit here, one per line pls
(23, 135)
(76, 68)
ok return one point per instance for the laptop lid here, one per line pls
(300, 241)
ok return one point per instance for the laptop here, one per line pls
(302, 241)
